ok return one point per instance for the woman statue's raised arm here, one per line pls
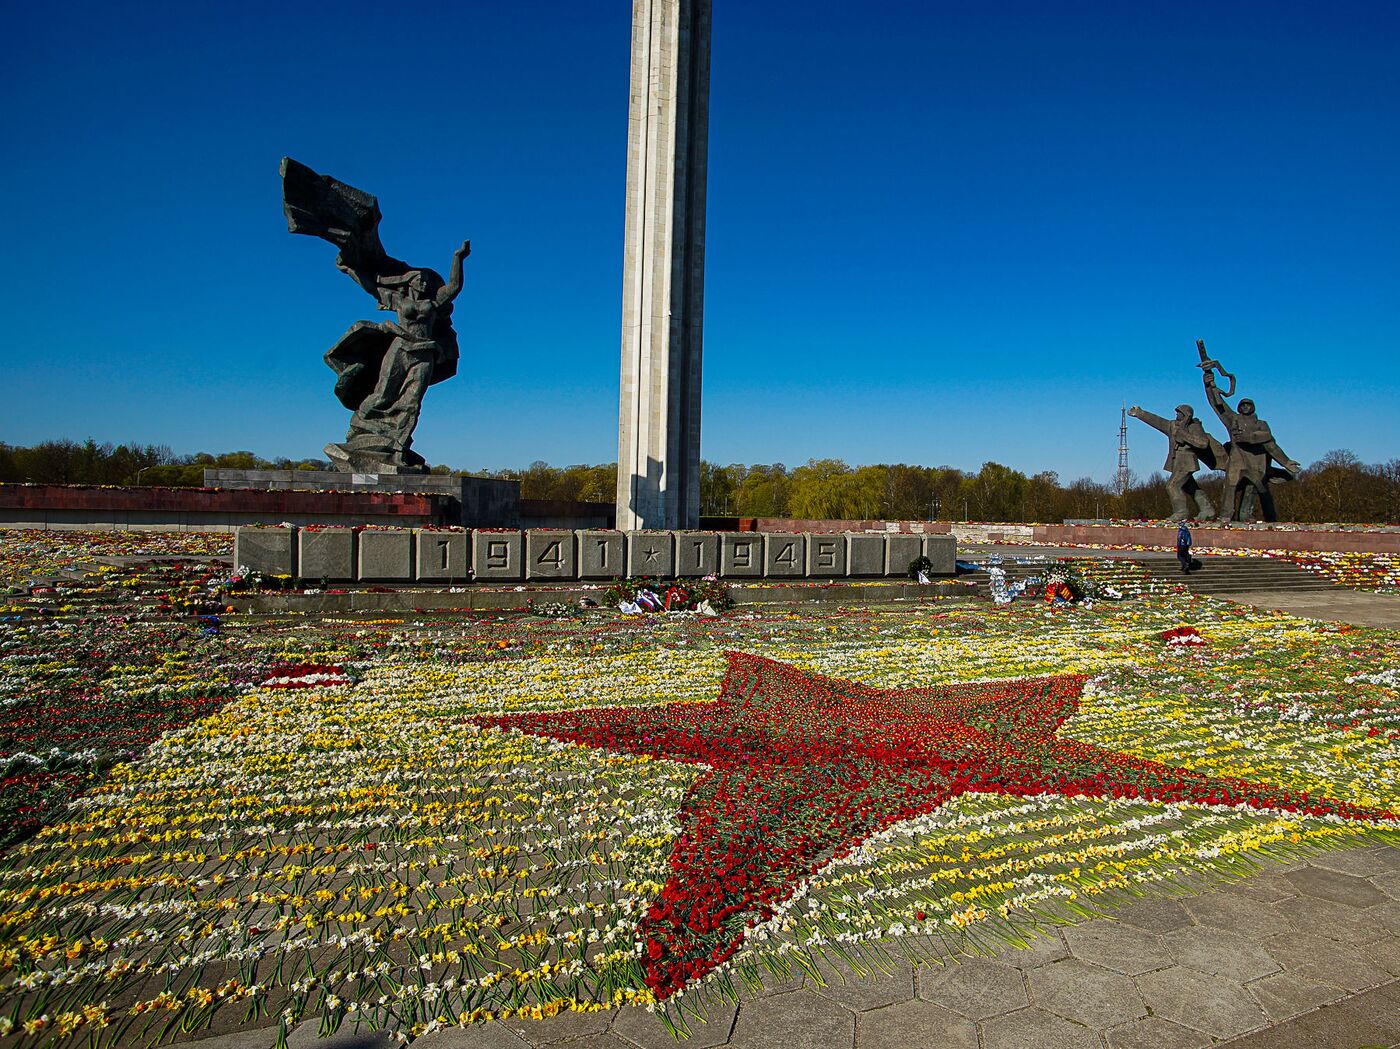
(453, 287)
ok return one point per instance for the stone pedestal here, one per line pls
(498, 555)
(550, 553)
(741, 555)
(326, 553)
(600, 554)
(441, 557)
(658, 476)
(697, 553)
(265, 551)
(900, 552)
(826, 556)
(386, 556)
(651, 554)
(784, 555)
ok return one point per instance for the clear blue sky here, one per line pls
(939, 233)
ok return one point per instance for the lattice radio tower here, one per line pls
(1122, 477)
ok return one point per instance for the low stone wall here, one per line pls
(480, 502)
(53, 506)
(1329, 540)
(437, 556)
(1317, 539)
(783, 524)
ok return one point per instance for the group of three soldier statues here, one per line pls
(1245, 457)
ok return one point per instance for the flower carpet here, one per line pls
(436, 819)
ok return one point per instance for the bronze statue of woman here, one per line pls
(382, 370)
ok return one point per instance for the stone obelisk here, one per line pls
(663, 294)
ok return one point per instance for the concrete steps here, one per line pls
(1217, 575)
(1223, 575)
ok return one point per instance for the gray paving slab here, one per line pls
(256, 1038)
(1241, 914)
(308, 1035)
(1155, 1032)
(1210, 1004)
(1266, 886)
(1048, 946)
(1331, 920)
(645, 1029)
(1359, 1022)
(1388, 883)
(1227, 954)
(1384, 915)
(1364, 863)
(561, 1028)
(1156, 916)
(975, 988)
(1345, 606)
(1118, 946)
(1085, 993)
(914, 1023)
(1385, 953)
(796, 1020)
(1035, 1028)
(879, 989)
(1287, 994)
(597, 1041)
(1335, 887)
(1326, 961)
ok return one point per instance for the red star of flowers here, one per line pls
(803, 767)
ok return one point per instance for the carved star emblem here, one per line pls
(802, 768)
(650, 553)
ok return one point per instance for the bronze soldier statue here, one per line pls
(1251, 447)
(1188, 446)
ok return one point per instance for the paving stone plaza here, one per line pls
(1301, 956)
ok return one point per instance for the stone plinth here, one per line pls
(550, 553)
(865, 554)
(498, 555)
(601, 554)
(784, 555)
(900, 552)
(265, 551)
(826, 556)
(386, 556)
(942, 551)
(697, 553)
(326, 553)
(440, 556)
(651, 554)
(740, 555)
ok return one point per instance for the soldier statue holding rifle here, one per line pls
(1250, 449)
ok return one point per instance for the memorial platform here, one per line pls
(482, 502)
(435, 556)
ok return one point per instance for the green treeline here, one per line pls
(1338, 487)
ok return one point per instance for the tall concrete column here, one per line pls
(663, 294)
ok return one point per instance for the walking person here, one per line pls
(1183, 548)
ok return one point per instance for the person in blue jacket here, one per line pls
(1183, 548)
